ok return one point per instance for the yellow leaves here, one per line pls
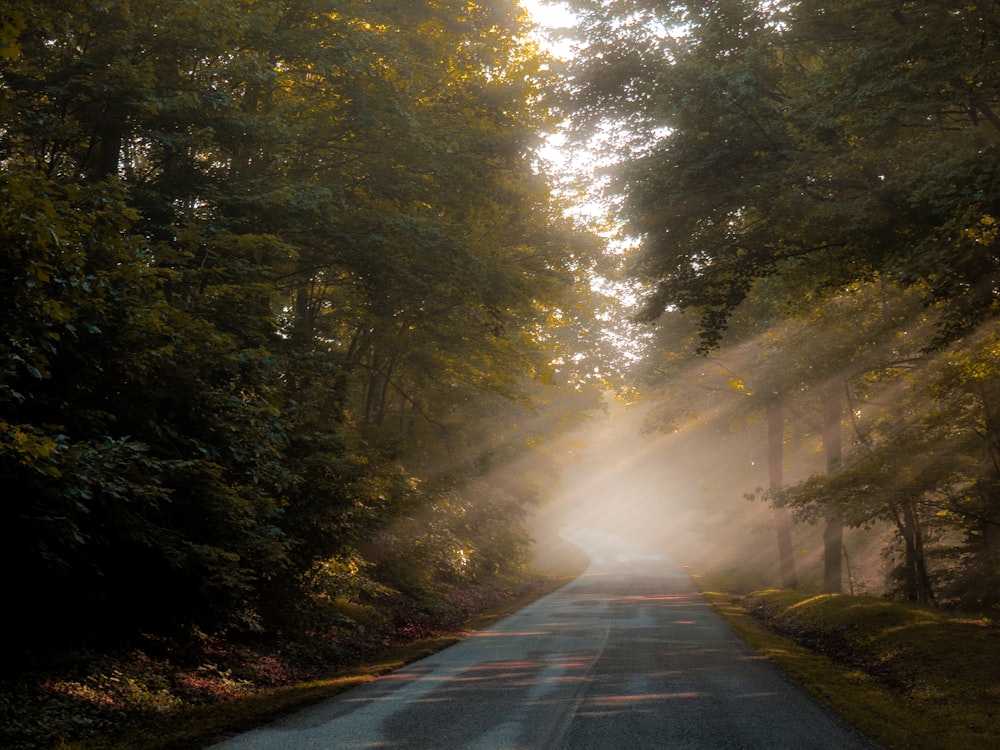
(31, 447)
(41, 272)
(56, 311)
(544, 375)
(984, 232)
(977, 364)
(11, 26)
(738, 385)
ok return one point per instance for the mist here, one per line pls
(683, 495)
(672, 494)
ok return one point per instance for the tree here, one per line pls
(824, 143)
(804, 151)
(276, 276)
(782, 519)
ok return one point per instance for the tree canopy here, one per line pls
(275, 276)
(823, 142)
(815, 184)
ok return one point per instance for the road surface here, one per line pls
(627, 657)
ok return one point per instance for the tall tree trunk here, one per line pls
(304, 325)
(915, 581)
(382, 406)
(111, 135)
(372, 388)
(915, 554)
(833, 532)
(775, 466)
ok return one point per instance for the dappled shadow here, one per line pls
(619, 661)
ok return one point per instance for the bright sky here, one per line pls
(549, 14)
(586, 205)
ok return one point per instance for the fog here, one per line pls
(682, 495)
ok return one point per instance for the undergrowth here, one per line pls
(163, 693)
(910, 677)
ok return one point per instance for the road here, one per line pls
(629, 656)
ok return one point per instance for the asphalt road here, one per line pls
(629, 656)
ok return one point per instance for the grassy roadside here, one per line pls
(906, 676)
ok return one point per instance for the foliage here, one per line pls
(815, 184)
(814, 142)
(268, 273)
(190, 692)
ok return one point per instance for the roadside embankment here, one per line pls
(908, 676)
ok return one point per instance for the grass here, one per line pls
(907, 676)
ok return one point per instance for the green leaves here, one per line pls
(842, 135)
(816, 183)
(267, 270)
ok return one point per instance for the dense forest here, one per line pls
(284, 293)
(294, 314)
(814, 194)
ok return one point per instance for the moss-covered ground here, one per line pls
(907, 676)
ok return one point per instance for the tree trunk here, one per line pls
(782, 521)
(833, 532)
(915, 581)
(111, 135)
(304, 326)
(833, 548)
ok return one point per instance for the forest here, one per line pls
(296, 318)
(813, 189)
(284, 297)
